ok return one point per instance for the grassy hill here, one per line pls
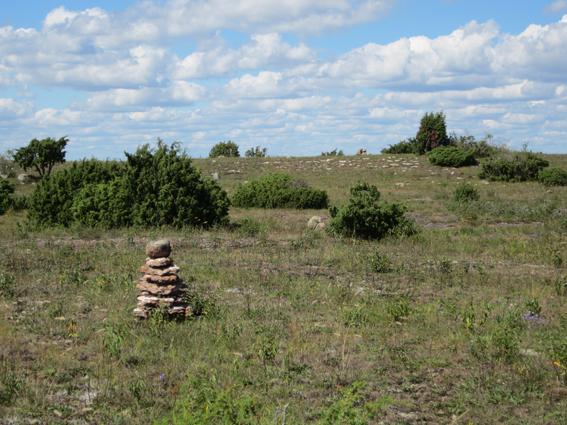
(298, 326)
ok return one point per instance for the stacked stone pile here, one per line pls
(160, 286)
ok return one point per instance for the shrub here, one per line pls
(524, 166)
(51, 202)
(451, 156)
(153, 188)
(279, 191)
(465, 193)
(334, 152)
(364, 217)
(553, 177)
(398, 309)
(168, 190)
(380, 263)
(228, 149)
(403, 147)
(256, 152)
(432, 132)
(478, 148)
(20, 203)
(102, 204)
(6, 190)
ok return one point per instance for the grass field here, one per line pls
(298, 326)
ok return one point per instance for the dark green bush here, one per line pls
(257, 152)
(102, 204)
(364, 217)
(432, 132)
(524, 166)
(279, 191)
(228, 149)
(553, 176)
(168, 190)
(479, 148)
(451, 156)
(334, 152)
(404, 147)
(153, 188)
(6, 190)
(51, 202)
(465, 192)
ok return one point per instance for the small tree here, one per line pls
(432, 132)
(256, 152)
(228, 149)
(7, 165)
(42, 155)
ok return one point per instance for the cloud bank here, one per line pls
(172, 70)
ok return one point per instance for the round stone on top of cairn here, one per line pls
(160, 286)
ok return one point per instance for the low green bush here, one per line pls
(524, 166)
(451, 156)
(228, 149)
(365, 217)
(6, 191)
(479, 148)
(334, 152)
(50, 203)
(152, 188)
(257, 152)
(553, 176)
(409, 146)
(279, 190)
(465, 192)
(102, 204)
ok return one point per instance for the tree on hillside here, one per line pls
(257, 152)
(228, 149)
(432, 132)
(41, 155)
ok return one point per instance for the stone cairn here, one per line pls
(160, 286)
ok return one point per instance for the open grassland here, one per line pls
(297, 326)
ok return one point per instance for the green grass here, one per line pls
(299, 327)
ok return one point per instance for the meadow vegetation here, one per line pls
(460, 322)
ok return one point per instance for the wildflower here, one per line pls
(533, 318)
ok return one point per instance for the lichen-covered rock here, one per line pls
(158, 249)
(159, 262)
(317, 222)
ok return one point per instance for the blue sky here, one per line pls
(295, 76)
